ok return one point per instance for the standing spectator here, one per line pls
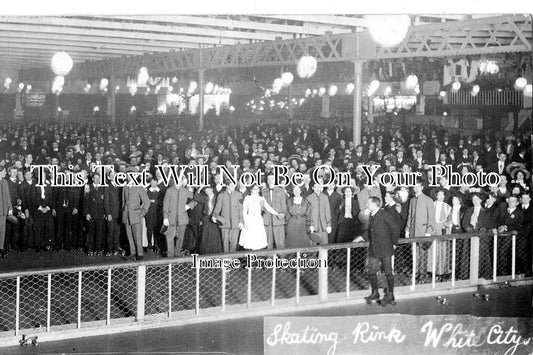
(335, 200)
(12, 227)
(150, 217)
(211, 239)
(319, 217)
(348, 209)
(135, 204)
(253, 236)
(42, 199)
(383, 234)
(228, 213)
(112, 211)
(65, 200)
(442, 215)
(275, 225)
(297, 210)
(421, 222)
(96, 216)
(25, 188)
(6, 209)
(178, 200)
(510, 221)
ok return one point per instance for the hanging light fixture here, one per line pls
(143, 76)
(103, 84)
(520, 83)
(332, 90)
(277, 85)
(61, 63)
(350, 88)
(307, 92)
(306, 67)
(411, 82)
(209, 88)
(7, 82)
(456, 86)
(20, 87)
(374, 86)
(388, 30)
(321, 91)
(287, 78)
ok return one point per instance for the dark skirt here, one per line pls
(211, 241)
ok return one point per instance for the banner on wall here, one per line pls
(398, 334)
(34, 99)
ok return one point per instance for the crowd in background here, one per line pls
(223, 217)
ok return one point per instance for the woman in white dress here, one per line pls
(253, 234)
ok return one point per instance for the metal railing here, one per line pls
(71, 298)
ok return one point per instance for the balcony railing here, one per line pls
(110, 297)
(488, 98)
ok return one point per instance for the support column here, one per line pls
(111, 99)
(201, 99)
(357, 97)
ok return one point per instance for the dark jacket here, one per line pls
(112, 195)
(383, 234)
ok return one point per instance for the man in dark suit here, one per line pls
(510, 220)
(95, 215)
(275, 225)
(25, 188)
(65, 201)
(135, 204)
(112, 211)
(499, 166)
(335, 200)
(228, 213)
(383, 234)
(6, 208)
(526, 256)
(43, 227)
(12, 228)
(319, 218)
(178, 200)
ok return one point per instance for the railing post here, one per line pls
(433, 262)
(495, 258)
(273, 292)
(249, 289)
(79, 299)
(108, 297)
(323, 276)
(413, 276)
(348, 263)
(197, 289)
(474, 260)
(513, 257)
(223, 301)
(49, 302)
(141, 291)
(297, 291)
(17, 308)
(454, 257)
(169, 290)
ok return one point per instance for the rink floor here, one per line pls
(245, 336)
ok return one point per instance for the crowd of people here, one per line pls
(224, 217)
